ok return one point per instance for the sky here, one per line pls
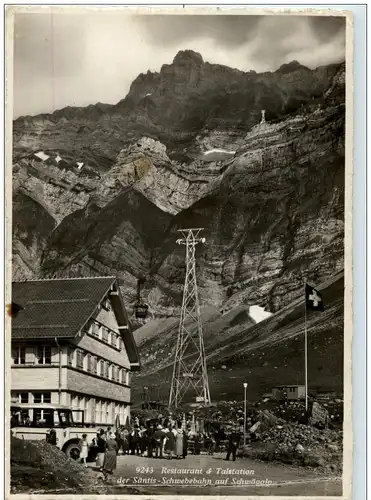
(76, 59)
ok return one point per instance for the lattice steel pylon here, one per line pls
(190, 361)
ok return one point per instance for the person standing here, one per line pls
(165, 441)
(233, 443)
(101, 446)
(83, 445)
(179, 442)
(170, 442)
(110, 456)
(125, 442)
(150, 432)
(134, 441)
(118, 440)
(51, 437)
(185, 443)
(197, 440)
(210, 444)
(143, 440)
(158, 437)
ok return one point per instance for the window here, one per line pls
(43, 418)
(84, 406)
(22, 397)
(122, 414)
(121, 375)
(95, 329)
(85, 361)
(42, 397)
(97, 411)
(106, 369)
(89, 363)
(77, 415)
(44, 355)
(79, 359)
(101, 368)
(92, 410)
(103, 412)
(19, 355)
(105, 335)
(92, 363)
(127, 382)
(116, 340)
(71, 356)
(117, 374)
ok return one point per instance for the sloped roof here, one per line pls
(287, 385)
(56, 308)
(59, 308)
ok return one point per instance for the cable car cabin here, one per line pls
(141, 309)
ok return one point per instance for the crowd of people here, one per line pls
(154, 440)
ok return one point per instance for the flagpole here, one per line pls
(305, 345)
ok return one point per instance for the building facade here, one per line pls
(72, 344)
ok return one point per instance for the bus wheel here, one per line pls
(73, 451)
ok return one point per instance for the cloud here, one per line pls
(68, 58)
(252, 42)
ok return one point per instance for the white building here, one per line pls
(72, 344)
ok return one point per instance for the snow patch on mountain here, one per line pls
(219, 151)
(259, 313)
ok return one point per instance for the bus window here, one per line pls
(14, 421)
(43, 418)
(65, 418)
(25, 419)
(48, 416)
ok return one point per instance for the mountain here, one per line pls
(184, 99)
(103, 189)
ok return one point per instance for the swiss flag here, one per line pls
(313, 299)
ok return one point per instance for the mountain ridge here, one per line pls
(293, 65)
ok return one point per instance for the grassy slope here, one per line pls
(266, 354)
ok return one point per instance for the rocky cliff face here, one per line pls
(186, 98)
(133, 173)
